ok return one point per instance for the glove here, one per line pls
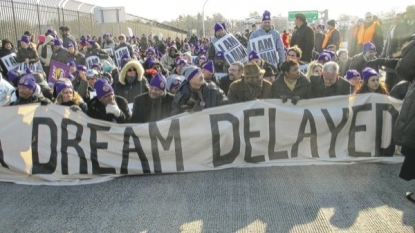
(44, 102)
(284, 98)
(295, 99)
(74, 108)
(113, 109)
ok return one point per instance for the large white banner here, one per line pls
(266, 48)
(232, 49)
(53, 145)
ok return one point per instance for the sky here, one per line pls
(166, 10)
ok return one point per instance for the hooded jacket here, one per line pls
(5, 52)
(45, 51)
(130, 90)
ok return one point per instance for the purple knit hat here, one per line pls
(209, 66)
(173, 83)
(352, 74)
(369, 72)
(190, 72)
(220, 55)
(28, 81)
(63, 83)
(218, 27)
(102, 87)
(159, 81)
(253, 55)
(266, 16)
(324, 57)
(25, 39)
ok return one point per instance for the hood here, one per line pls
(4, 42)
(48, 39)
(131, 64)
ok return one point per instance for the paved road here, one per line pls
(333, 198)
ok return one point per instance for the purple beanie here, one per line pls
(91, 42)
(70, 45)
(266, 16)
(369, 72)
(253, 55)
(190, 72)
(220, 55)
(218, 27)
(63, 83)
(329, 52)
(13, 75)
(209, 66)
(70, 63)
(102, 87)
(159, 81)
(223, 25)
(28, 81)
(368, 46)
(352, 74)
(324, 57)
(57, 42)
(173, 82)
(96, 65)
(25, 39)
(150, 49)
(81, 68)
(180, 62)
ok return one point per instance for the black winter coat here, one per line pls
(303, 37)
(319, 89)
(97, 110)
(143, 108)
(279, 88)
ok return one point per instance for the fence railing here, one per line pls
(37, 16)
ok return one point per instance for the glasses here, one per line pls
(131, 69)
(233, 70)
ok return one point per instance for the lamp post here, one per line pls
(203, 18)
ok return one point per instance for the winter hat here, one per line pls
(69, 45)
(331, 23)
(180, 62)
(218, 27)
(28, 81)
(190, 72)
(70, 63)
(202, 57)
(220, 55)
(57, 42)
(352, 74)
(324, 57)
(25, 39)
(96, 65)
(122, 35)
(81, 68)
(209, 66)
(368, 46)
(152, 61)
(150, 49)
(369, 72)
(13, 75)
(266, 16)
(172, 82)
(63, 83)
(159, 81)
(102, 87)
(91, 42)
(320, 27)
(196, 47)
(253, 55)
(223, 25)
(41, 38)
(329, 52)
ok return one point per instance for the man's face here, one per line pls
(8, 46)
(172, 51)
(71, 50)
(255, 81)
(234, 72)
(293, 73)
(91, 81)
(25, 92)
(368, 18)
(63, 33)
(207, 74)
(370, 54)
(179, 68)
(197, 81)
(343, 57)
(56, 47)
(219, 33)
(24, 44)
(266, 25)
(329, 78)
(253, 28)
(155, 93)
(108, 99)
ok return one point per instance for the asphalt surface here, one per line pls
(332, 198)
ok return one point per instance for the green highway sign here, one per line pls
(309, 15)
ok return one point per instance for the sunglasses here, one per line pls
(131, 69)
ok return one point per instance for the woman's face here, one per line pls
(67, 95)
(293, 73)
(373, 83)
(317, 71)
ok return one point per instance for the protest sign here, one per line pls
(9, 62)
(89, 61)
(57, 70)
(232, 49)
(266, 48)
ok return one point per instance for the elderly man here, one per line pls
(235, 72)
(154, 105)
(370, 31)
(265, 30)
(252, 86)
(107, 106)
(303, 37)
(329, 83)
(195, 94)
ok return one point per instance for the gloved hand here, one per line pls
(44, 102)
(295, 99)
(113, 109)
(284, 98)
(75, 108)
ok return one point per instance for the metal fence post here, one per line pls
(38, 17)
(14, 22)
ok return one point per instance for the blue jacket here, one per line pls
(277, 38)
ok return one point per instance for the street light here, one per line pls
(203, 18)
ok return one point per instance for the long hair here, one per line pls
(77, 99)
(363, 88)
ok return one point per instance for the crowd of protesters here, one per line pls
(162, 77)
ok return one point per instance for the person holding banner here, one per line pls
(93, 49)
(154, 105)
(27, 53)
(329, 83)
(252, 86)
(195, 94)
(67, 96)
(219, 33)
(107, 106)
(123, 43)
(29, 92)
(291, 83)
(266, 30)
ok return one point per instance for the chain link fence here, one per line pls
(37, 16)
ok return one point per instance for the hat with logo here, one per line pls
(253, 55)
(352, 74)
(102, 87)
(63, 83)
(369, 72)
(190, 72)
(266, 16)
(159, 81)
(28, 81)
(369, 46)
